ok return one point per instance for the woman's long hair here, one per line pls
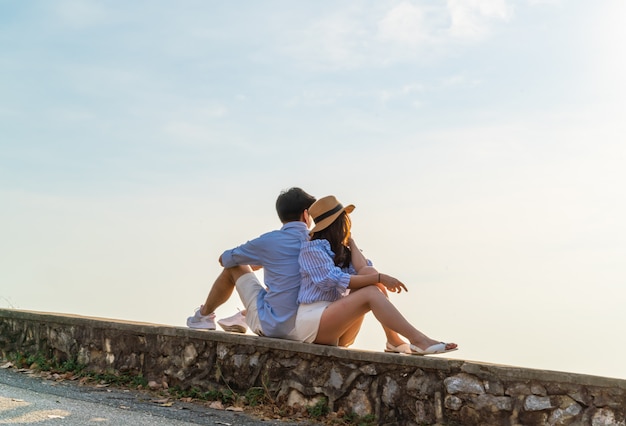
(337, 234)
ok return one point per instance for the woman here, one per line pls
(339, 286)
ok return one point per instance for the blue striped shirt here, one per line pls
(321, 278)
(277, 252)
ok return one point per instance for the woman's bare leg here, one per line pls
(348, 338)
(392, 337)
(339, 316)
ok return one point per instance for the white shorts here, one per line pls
(248, 286)
(308, 321)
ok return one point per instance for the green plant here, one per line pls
(320, 409)
(350, 418)
(229, 397)
(210, 395)
(176, 392)
(368, 420)
(25, 360)
(213, 395)
(130, 380)
(265, 382)
(71, 366)
(139, 380)
(41, 362)
(255, 396)
(355, 419)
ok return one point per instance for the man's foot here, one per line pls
(234, 324)
(204, 322)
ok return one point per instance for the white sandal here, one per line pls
(437, 348)
(403, 348)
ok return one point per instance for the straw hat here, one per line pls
(325, 210)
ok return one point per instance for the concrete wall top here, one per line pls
(434, 362)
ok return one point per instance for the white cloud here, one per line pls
(408, 90)
(335, 41)
(605, 39)
(404, 24)
(215, 111)
(471, 19)
(459, 80)
(405, 32)
(535, 2)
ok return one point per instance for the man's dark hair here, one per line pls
(291, 203)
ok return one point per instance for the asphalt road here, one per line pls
(26, 399)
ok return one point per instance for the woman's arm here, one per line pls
(359, 281)
(392, 284)
(317, 265)
(357, 259)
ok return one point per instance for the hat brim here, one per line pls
(325, 223)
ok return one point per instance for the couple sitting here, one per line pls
(319, 284)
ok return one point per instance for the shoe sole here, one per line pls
(435, 353)
(199, 327)
(234, 328)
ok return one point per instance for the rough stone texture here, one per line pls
(396, 389)
(537, 403)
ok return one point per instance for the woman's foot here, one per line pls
(430, 346)
(437, 348)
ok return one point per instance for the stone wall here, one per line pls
(397, 389)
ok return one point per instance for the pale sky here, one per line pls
(482, 142)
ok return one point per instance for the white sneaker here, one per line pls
(205, 322)
(235, 323)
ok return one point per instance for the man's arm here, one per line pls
(245, 254)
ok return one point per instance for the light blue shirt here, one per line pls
(321, 278)
(277, 251)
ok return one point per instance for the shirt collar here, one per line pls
(294, 224)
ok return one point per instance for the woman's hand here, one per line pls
(392, 284)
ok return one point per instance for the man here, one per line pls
(271, 310)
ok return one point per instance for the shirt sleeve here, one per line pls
(245, 254)
(316, 259)
(350, 269)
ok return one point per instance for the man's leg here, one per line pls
(248, 286)
(223, 288)
(220, 292)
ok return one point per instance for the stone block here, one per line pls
(464, 383)
(537, 403)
